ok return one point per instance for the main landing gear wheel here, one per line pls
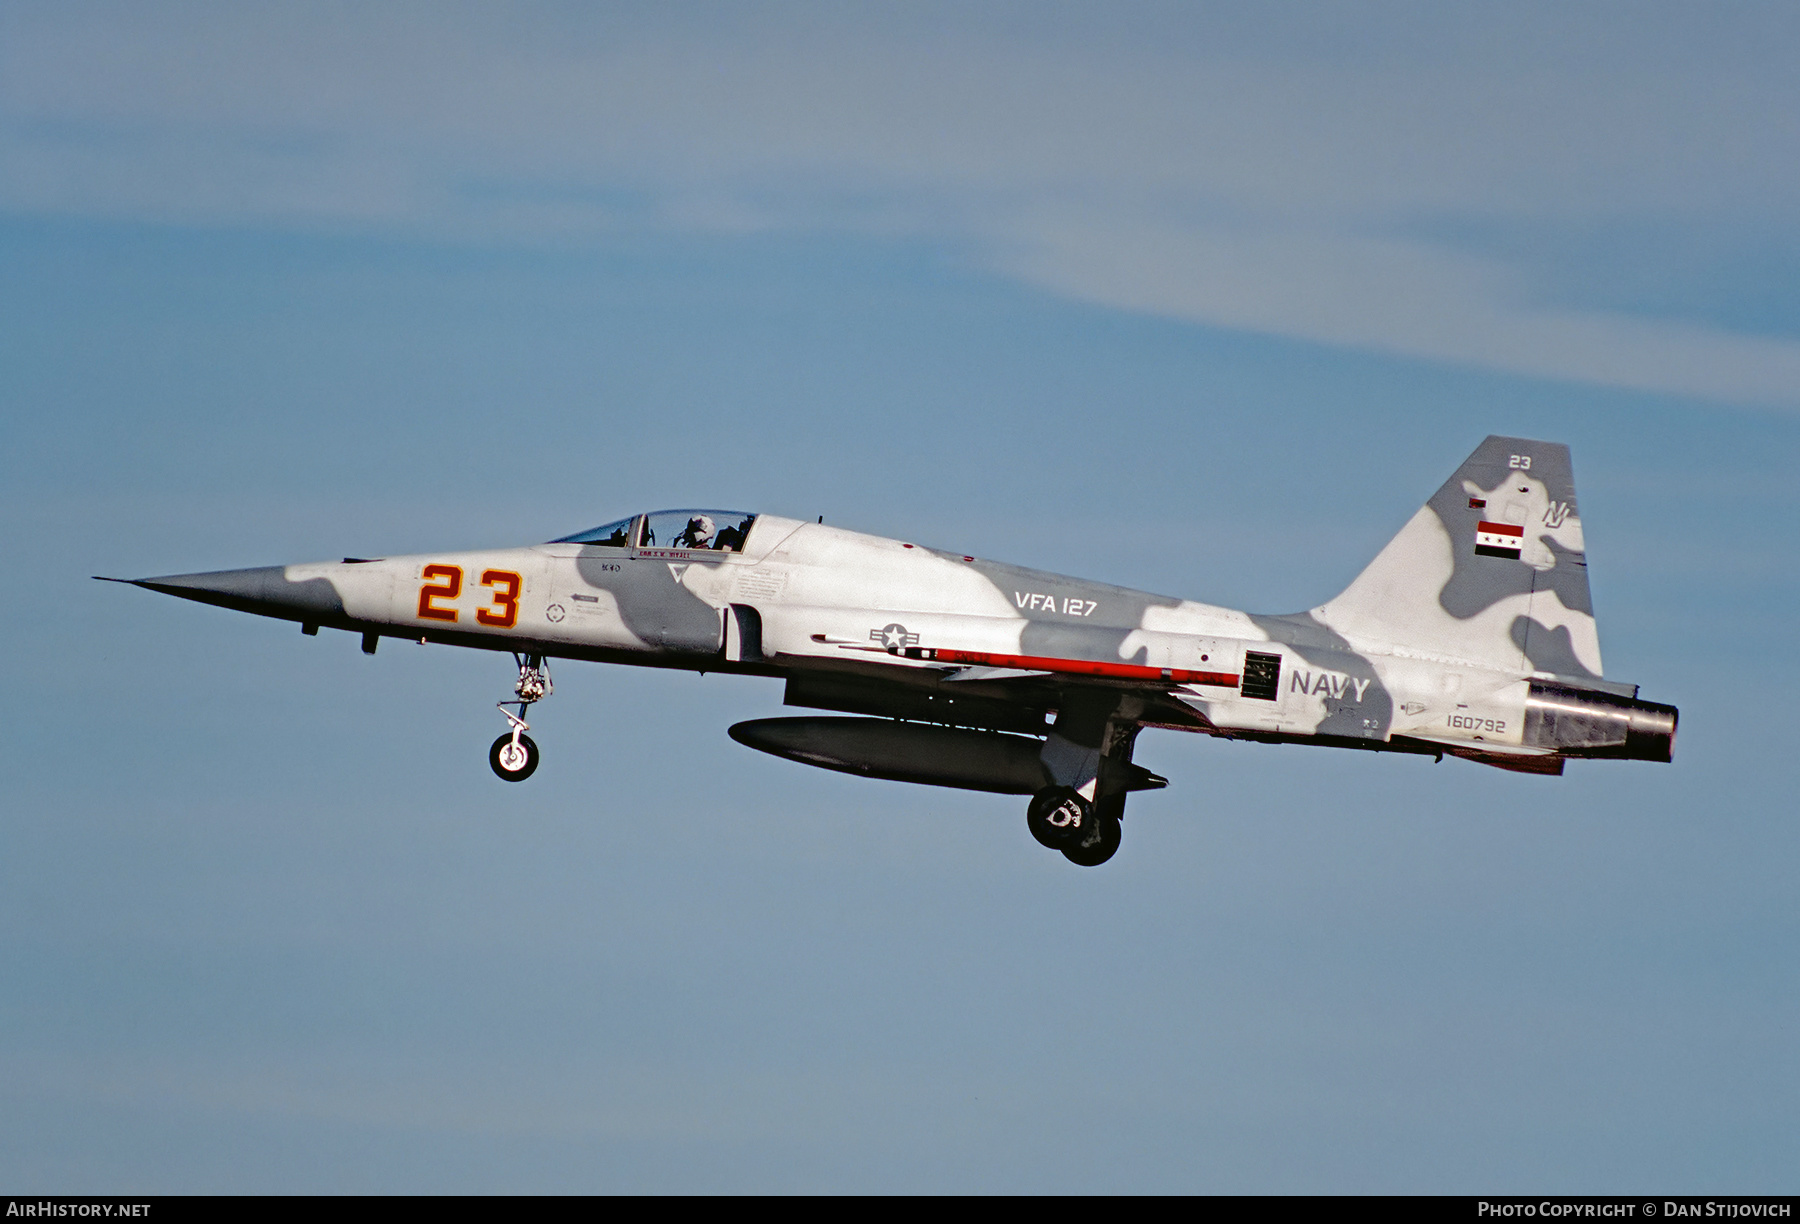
(513, 760)
(1100, 842)
(1059, 817)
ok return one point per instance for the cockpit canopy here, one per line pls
(715, 530)
(610, 535)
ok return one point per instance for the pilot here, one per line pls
(697, 534)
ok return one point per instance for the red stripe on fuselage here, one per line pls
(1081, 667)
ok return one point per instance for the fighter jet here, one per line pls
(1471, 634)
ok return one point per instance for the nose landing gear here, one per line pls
(514, 756)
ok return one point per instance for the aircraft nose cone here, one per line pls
(266, 590)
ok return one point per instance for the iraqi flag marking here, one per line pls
(1498, 540)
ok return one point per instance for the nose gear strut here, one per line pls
(515, 755)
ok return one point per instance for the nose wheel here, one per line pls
(514, 756)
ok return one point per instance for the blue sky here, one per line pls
(1195, 301)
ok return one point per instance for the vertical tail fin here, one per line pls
(1491, 571)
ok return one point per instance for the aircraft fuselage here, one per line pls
(1470, 635)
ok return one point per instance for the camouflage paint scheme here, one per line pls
(1472, 633)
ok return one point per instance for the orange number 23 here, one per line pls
(445, 582)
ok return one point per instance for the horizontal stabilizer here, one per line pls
(1550, 765)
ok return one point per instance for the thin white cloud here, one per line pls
(1278, 176)
(1393, 296)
